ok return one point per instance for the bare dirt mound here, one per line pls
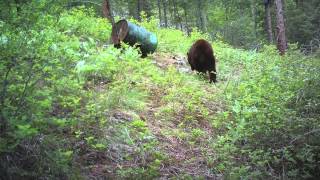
(164, 60)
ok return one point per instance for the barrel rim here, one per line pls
(117, 36)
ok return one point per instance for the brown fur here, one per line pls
(201, 59)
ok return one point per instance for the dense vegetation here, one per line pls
(241, 23)
(72, 106)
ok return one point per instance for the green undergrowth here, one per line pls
(74, 106)
(271, 126)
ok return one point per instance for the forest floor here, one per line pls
(186, 156)
(186, 152)
(75, 107)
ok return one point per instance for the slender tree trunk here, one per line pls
(106, 9)
(146, 7)
(281, 31)
(186, 18)
(139, 9)
(268, 22)
(171, 13)
(159, 9)
(254, 17)
(200, 15)
(175, 14)
(143, 5)
(180, 22)
(204, 15)
(3, 121)
(164, 2)
(131, 9)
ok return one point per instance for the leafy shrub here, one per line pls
(41, 94)
(265, 121)
(62, 86)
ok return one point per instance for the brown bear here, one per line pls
(201, 59)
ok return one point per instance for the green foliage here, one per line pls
(70, 102)
(263, 123)
(83, 24)
(175, 41)
(40, 91)
(302, 23)
(197, 133)
(139, 125)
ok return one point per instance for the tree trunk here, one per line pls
(143, 5)
(200, 15)
(254, 17)
(159, 9)
(164, 2)
(139, 9)
(3, 120)
(204, 16)
(171, 13)
(268, 24)
(131, 9)
(146, 7)
(106, 9)
(281, 31)
(175, 13)
(186, 18)
(180, 22)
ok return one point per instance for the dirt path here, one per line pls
(186, 157)
(164, 60)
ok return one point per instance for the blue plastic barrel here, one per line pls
(133, 34)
